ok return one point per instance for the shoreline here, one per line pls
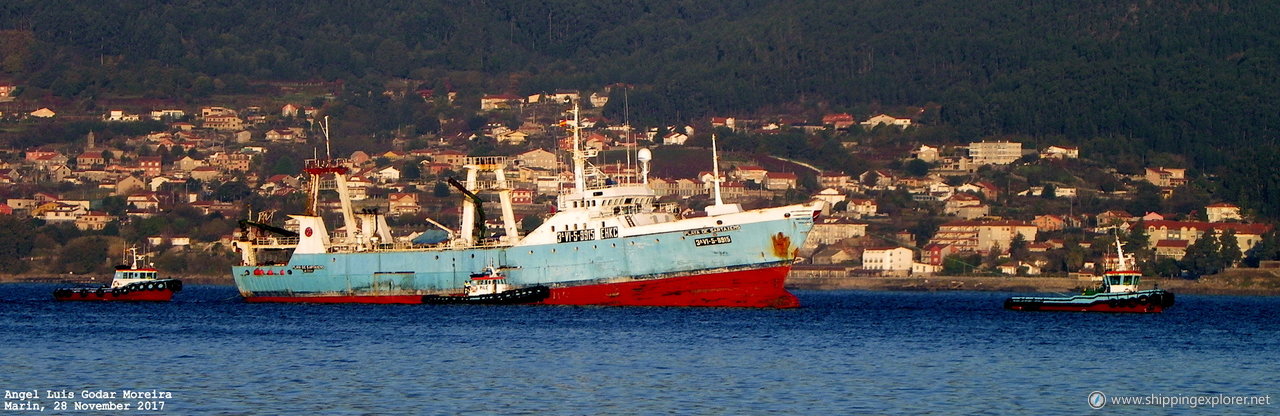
(1212, 285)
(85, 279)
(1223, 284)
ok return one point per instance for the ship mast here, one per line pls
(719, 208)
(1120, 261)
(318, 168)
(715, 170)
(579, 156)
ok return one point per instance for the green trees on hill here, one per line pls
(1124, 81)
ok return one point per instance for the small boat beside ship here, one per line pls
(1119, 293)
(491, 288)
(131, 283)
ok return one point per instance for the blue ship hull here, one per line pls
(750, 258)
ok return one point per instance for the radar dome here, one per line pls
(644, 155)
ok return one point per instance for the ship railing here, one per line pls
(617, 210)
(486, 162)
(408, 246)
(669, 207)
(276, 241)
(326, 163)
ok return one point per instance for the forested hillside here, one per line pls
(1199, 78)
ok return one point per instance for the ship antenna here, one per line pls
(626, 127)
(579, 157)
(328, 154)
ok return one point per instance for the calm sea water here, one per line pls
(844, 352)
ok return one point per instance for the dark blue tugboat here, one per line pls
(1119, 293)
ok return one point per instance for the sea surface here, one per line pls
(843, 352)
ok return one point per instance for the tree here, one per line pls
(441, 190)
(84, 255)
(917, 167)
(410, 171)
(530, 223)
(232, 191)
(958, 264)
(1166, 267)
(1266, 249)
(1049, 191)
(1202, 256)
(1018, 247)
(1137, 241)
(1229, 249)
(17, 237)
(115, 205)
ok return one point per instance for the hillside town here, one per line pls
(994, 206)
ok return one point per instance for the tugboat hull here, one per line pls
(1147, 301)
(159, 291)
(510, 297)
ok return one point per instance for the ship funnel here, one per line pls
(313, 238)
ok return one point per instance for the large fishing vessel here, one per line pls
(609, 242)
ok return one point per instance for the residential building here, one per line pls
(829, 195)
(1222, 211)
(1113, 217)
(93, 221)
(884, 119)
(838, 121)
(1174, 249)
(750, 173)
(1247, 235)
(836, 180)
(936, 254)
(833, 255)
(224, 123)
(995, 153)
(926, 153)
(966, 206)
(862, 207)
(1049, 222)
(1061, 152)
(403, 203)
(780, 181)
(893, 260)
(832, 230)
(1166, 177)
(675, 138)
(499, 102)
(983, 236)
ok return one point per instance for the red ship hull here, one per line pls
(758, 288)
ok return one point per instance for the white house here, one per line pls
(888, 120)
(890, 259)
